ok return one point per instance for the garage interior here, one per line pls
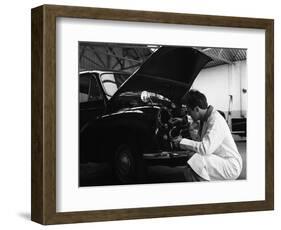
(227, 72)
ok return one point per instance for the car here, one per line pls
(129, 121)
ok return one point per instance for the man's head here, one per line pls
(196, 103)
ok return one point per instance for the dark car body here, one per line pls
(126, 119)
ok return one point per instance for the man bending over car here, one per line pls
(216, 156)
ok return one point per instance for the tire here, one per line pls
(128, 165)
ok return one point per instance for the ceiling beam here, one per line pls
(90, 60)
(118, 56)
(219, 58)
(97, 55)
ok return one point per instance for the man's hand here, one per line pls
(175, 120)
(176, 141)
(193, 131)
(194, 134)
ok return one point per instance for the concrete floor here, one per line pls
(101, 174)
(242, 148)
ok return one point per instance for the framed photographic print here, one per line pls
(140, 114)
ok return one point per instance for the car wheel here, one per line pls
(128, 166)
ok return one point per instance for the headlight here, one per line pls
(145, 96)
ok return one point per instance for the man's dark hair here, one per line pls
(194, 98)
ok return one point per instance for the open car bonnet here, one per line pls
(170, 71)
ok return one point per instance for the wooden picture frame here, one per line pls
(43, 208)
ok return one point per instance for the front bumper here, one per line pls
(175, 158)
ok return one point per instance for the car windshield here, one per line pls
(112, 81)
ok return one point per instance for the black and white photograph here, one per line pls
(161, 114)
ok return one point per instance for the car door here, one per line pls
(91, 99)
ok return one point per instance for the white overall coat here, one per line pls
(216, 157)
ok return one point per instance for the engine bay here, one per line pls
(172, 123)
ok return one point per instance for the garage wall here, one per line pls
(223, 86)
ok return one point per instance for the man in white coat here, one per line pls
(215, 155)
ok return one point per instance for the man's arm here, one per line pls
(210, 142)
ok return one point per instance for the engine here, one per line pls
(171, 123)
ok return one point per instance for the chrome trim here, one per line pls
(165, 155)
(121, 112)
(144, 107)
